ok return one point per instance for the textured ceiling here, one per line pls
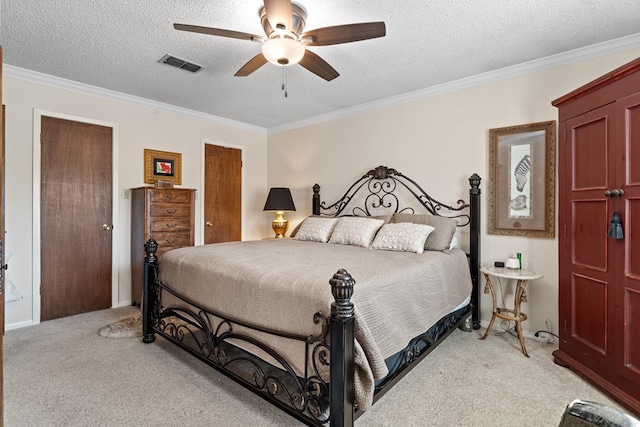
(116, 45)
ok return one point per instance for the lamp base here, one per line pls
(280, 225)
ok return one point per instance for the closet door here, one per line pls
(628, 289)
(587, 270)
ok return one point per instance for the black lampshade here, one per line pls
(279, 199)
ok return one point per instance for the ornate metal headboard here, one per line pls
(377, 189)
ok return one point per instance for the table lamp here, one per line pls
(279, 200)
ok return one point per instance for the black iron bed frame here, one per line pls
(210, 336)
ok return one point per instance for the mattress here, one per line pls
(280, 285)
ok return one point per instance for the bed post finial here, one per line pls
(474, 182)
(342, 290)
(151, 247)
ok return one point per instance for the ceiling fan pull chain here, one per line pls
(284, 81)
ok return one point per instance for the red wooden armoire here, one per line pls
(599, 275)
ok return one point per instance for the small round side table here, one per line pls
(522, 277)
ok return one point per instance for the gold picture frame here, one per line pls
(522, 164)
(162, 166)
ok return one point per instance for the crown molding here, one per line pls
(582, 54)
(53, 81)
(558, 60)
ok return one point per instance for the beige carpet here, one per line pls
(62, 373)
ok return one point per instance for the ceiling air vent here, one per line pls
(180, 63)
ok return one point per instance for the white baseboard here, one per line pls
(18, 325)
(123, 304)
(546, 338)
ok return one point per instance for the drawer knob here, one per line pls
(171, 225)
(172, 211)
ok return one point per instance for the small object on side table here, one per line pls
(515, 315)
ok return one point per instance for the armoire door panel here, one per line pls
(631, 353)
(629, 113)
(632, 261)
(590, 145)
(589, 320)
(590, 223)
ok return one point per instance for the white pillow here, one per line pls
(355, 231)
(402, 236)
(315, 229)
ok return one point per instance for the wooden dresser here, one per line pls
(599, 269)
(166, 215)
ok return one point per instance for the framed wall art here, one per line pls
(162, 166)
(522, 164)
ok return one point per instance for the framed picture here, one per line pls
(162, 166)
(522, 164)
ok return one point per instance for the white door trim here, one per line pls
(37, 160)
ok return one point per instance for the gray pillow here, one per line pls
(440, 238)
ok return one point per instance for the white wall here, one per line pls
(439, 141)
(139, 126)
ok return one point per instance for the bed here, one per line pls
(285, 317)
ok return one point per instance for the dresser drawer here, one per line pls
(166, 225)
(169, 196)
(171, 240)
(169, 209)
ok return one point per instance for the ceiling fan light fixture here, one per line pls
(283, 51)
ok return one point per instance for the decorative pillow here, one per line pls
(404, 236)
(316, 229)
(440, 238)
(357, 231)
(297, 227)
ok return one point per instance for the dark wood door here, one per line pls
(76, 214)
(222, 194)
(587, 267)
(628, 291)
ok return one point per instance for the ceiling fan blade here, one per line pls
(318, 66)
(254, 63)
(344, 33)
(279, 14)
(218, 32)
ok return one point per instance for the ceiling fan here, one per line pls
(286, 43)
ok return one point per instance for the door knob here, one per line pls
(208, 224)
(106, 227)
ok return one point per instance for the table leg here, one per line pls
(521, 296)
(489, 287)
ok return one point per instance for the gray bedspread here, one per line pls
(280, 284)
